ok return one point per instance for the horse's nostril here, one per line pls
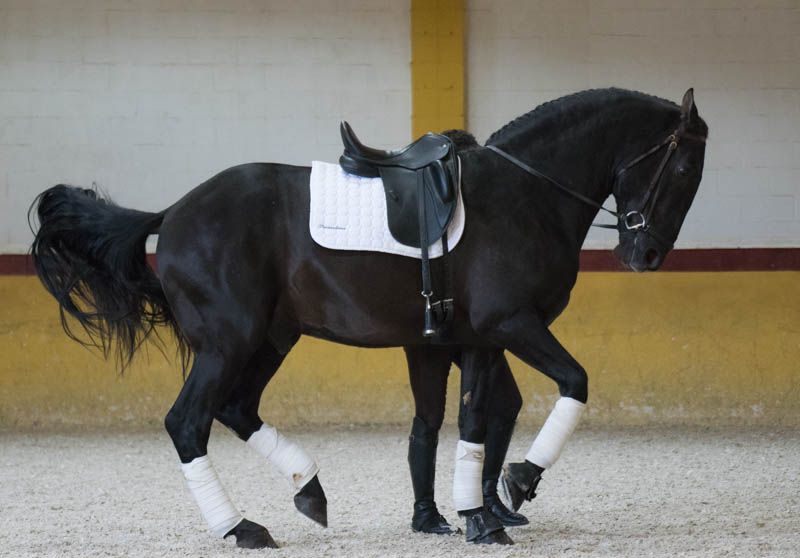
(652, 258)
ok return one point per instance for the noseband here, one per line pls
(637, 221)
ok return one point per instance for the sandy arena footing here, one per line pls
(651, 492)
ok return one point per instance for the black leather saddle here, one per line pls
(432, 160)
(421, 184)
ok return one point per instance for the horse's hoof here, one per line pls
(251, 535)
(519, 482)
(485, 528)
(311, 502)
(427, 519)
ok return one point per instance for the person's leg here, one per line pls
(428, 368)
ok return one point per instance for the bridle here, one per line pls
(637, 221)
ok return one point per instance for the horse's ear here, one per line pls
(688, 108)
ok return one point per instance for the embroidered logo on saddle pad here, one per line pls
(348, 212)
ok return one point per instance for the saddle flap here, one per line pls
(402, 206)
(400, 187)
(431, 159)
(440, 180)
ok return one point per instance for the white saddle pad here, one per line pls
(348, 212)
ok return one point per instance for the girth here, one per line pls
(421, 183)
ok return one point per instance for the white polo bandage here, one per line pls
(556, 431)
(215, 505)
(467, 494)
(290, 459)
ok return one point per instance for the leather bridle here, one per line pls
(637, 221)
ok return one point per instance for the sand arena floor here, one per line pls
(652, 492)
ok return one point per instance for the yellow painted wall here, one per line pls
(704, 348)
(437, 65)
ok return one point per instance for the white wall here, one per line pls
(742, 57)
(148, 98)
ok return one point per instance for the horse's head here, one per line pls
(655, 189)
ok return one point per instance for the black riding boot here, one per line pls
(498, 437)
(422, 461)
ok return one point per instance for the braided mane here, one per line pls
(557, 107)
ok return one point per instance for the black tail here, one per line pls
(90, 255)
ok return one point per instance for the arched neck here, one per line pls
(582, 151)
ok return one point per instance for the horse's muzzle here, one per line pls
(638, 253)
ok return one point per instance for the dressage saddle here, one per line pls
(421, 183)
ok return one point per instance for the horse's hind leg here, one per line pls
(428, 368)
(240, 414)
(189, 425)
(483, 526)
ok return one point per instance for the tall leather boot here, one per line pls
(498, 438)
(422, 445)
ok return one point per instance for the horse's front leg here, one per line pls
(528, 338)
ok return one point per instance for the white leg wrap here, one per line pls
(467, 494)
(290, 459)
(205, 486)
(556, 431)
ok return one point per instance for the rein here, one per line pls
(637, 220)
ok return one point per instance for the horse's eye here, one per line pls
(683, 171)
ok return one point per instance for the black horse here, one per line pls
(240, 279)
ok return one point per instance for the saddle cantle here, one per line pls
(421, 182)
(431, 158)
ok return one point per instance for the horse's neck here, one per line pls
(583, 157)
(581, 162)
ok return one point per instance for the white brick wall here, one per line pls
(742, 57)
(148, 98)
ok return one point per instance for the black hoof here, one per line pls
(311, 502)
(485, 528)
(427, 519)
(519, 483)
(251, 535)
